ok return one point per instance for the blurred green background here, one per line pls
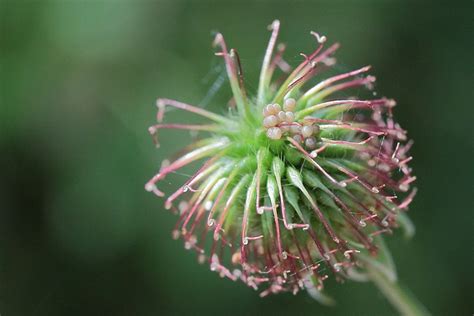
(80, 236)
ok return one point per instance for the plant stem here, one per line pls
(398, 296)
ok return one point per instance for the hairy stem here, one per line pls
(397, 295)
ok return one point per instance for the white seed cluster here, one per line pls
(280, 122)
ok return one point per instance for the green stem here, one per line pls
(398, 296)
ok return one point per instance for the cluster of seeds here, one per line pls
(281, 122)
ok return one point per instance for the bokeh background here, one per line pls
(80, 236)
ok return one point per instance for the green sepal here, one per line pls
(272, 189)
(407, 225)
(383, 262)
(278, 167)
(292, 196)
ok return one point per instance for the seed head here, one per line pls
(296, 182)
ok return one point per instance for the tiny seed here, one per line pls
(270, 121)
(289, 104)
(316, 129)
(274, 133)
(310, 143)
(295, 129)
(298, 138)
(282, 116)
(290, 117)
(307, 130)
(276, 108)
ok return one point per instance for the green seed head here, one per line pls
(296, 183)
